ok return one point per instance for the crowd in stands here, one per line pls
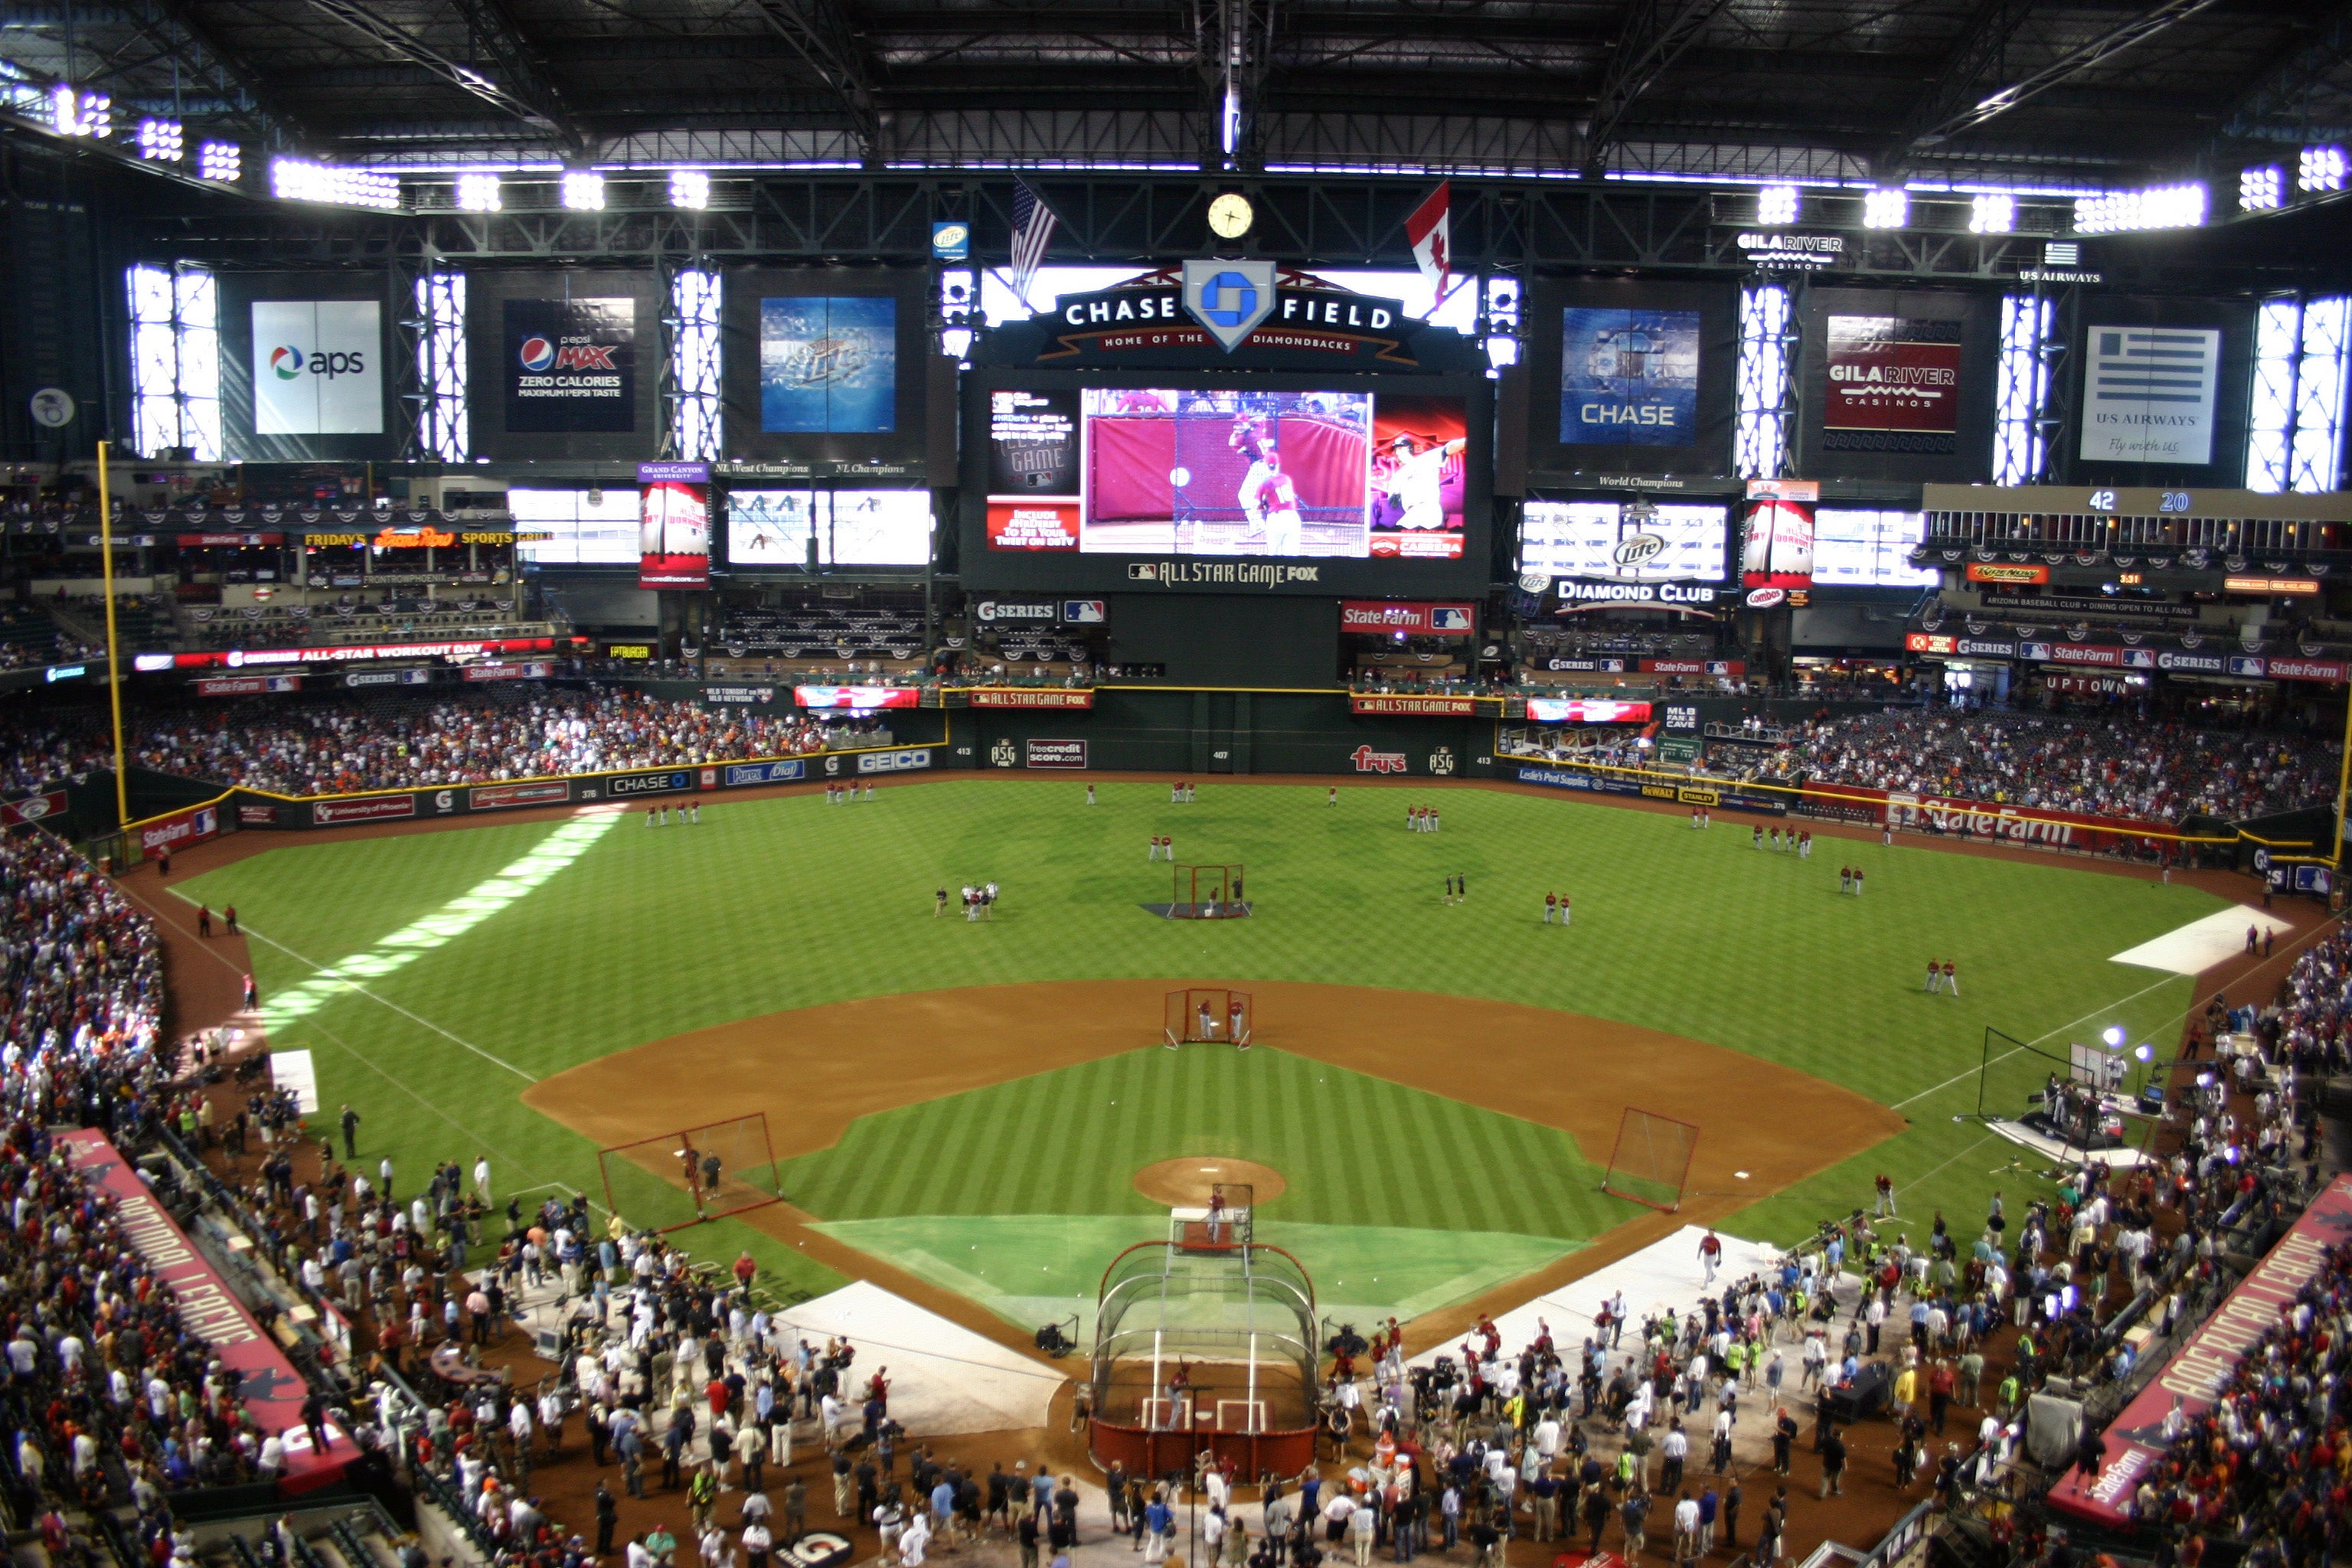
(386, 743)
(2162, 771)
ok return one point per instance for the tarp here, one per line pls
(269, 1388)
(2206, 1363)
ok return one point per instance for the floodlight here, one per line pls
(2159, 206)
(1992, 213)
(222, 161)
(162, 140)
(478, 193)
(689, 189)
(2114, 1036)
(301, 180)
(2144, 1051)
(584, 190)
(2261, 190)
(2321, 169)
(1888, 206)
(1777, 205)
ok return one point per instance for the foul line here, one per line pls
(2168, 980)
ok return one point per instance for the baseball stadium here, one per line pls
(1735, 721)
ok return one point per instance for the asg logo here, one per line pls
(1002, 754)
(1441, 761)
(540, 355)
(288, 362)
(1368, 761)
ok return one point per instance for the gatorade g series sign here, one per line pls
(571, 365)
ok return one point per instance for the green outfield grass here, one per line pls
(502, 973)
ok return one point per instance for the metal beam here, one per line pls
(2276, 105)
(1655, 32)
(524, 92)
(1977, 56)
(820, 32)
(227, 85)
(1233, 49)
(2116, 40)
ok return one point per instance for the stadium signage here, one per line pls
(2086, 653)
(1221, 574)
(1774, 250)
(2192, 663)
(1008, 612)
(784, 770)
(387, 677)
(1577, 591)
(737, 696)
(1730, 667)
(247, 685)
(208, 540)
(857, 698)
(1029, 697)
(2269, 586)
(412, 539)
(256, 816)
(533, 672)
(1232, 306)
(2326, 670)
(179, 828)
(32, 808)
(2051, 829)
(648, 783)
(1054, 755)
(1995, 571)
(1586, 711)
(237, 658)
(894, 762)
(1385, 615)
(1596, 666)
(505, 797)
(2055, 604)
(1930, 642)
(1368, 761)
(1443, 707)
(375, 808)
(1766, 598)
(2192, 1380)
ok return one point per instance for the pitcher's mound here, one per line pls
(1185, 1184)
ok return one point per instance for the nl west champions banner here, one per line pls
(315, 370)
(1628, 378)
(2148, 395)
(571, 365)
(829, 364)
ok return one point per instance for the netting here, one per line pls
(1238, 1323)
(1207, 893)
(1207, 1015)
(700, 1173)
(1651, 1164)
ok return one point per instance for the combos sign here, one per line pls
(32, 808)
(505, 797)
(1029, 697)
(180, 829)
(374, 808)
(1440, 707)
(1893, 385)
(859, 699)
(2191, 1380)
(571, 366)
(315, 368)
(2043, 828)
(1054, 755)
(1996, 572)
(1586, 711)
(1386, 615)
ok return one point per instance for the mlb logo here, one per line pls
(1083, 612)
(1142, 571)
(1449, 618)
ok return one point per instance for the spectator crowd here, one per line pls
(2154, 771)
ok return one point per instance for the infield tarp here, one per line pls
(267, 1386)
(2206, 1363)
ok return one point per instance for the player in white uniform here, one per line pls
(1414, 481)
(1270, 501)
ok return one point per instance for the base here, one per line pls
(1204, 911)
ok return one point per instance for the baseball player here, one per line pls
(1090, 795)
(1755, 834)
(1857, 882)
(940, 906)
(1413, 486)
(1270, 501)
(1333, 798)
(1935, 976)
(1235, 1021)
(1951, 978)
(1208, 1022)
(1846, 878)
(1551, 906)
(1564, 912)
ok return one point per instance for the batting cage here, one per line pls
(1206, 1015)
(1207, 893)
(686, 1177)
(1651, 1164)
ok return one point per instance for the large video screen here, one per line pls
(1867, 548)
(673, 525)
(1228, 472)
(849, 528)
(587, 528)
(1679, 543)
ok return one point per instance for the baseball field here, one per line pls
(973, 1109)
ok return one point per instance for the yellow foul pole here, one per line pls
(113, 662)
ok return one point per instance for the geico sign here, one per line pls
(1637, 592)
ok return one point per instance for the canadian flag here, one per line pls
(1429, 232)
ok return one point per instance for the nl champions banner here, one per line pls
(2148, 395)
(829, 364)
(571, 366)
(315, 368)
(1628, 377)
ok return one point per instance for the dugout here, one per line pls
(1237, 1320)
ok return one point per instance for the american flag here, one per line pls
(1033, 230)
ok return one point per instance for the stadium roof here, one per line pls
(2058, 95)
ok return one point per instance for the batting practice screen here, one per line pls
(1208, 1016)
(1651, 1164)
(685, 1177)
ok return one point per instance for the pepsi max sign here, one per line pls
(571, 366)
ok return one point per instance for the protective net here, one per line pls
(1651, 1164)
(700, 1173)
(1207, 1015)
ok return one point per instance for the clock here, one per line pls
(1230, 215)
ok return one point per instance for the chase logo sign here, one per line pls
(648, 784)
(1229, 298)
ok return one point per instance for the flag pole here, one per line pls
(114, 659)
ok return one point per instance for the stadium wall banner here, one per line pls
(1053, 754)
(743, 775)
(268, 1387)
(534, 670)
(857, 698)
(1733, 667)
(2149, 394)
(1437, 707)
(571, 365)
(1418, 619)
(318, 367)
(673, 525)
(1184, 314)
(1596, 666)
(250, 816)
(1586, 711)
(507, 797)
(2035, 825)
(369, 808)
(2086, 653)
(2331, 670)
(1945, 644)
(629, 786)
(2206, 1364)
(2188, 663)
(736, 696)
(908, 760)
(180, 829)
(247, 685)
(1998, 572)
(32, 808)
(1628, 377)
(1893, 384)
(1579, 591)
(1030, 696)
(238, 659)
